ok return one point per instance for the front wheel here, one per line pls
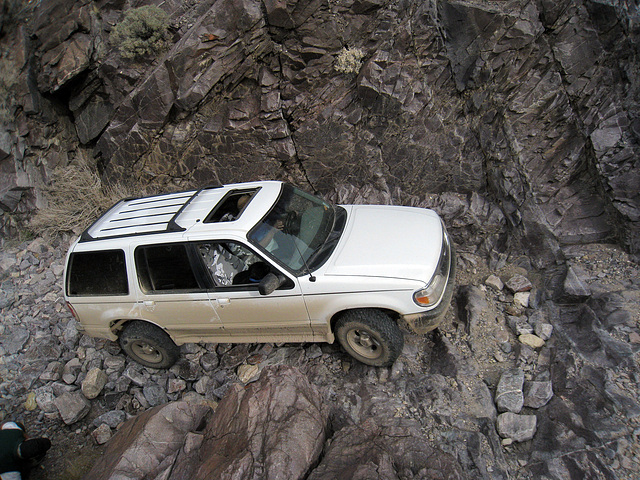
(149, 345)
(370, 336)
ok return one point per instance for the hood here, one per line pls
(388, 241)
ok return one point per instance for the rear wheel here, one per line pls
(370, 336)
(149, 345)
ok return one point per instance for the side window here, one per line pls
(165, 268)
(232, 264)
(97, 273)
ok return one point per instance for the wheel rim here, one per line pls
(146, 352)
(364, 343)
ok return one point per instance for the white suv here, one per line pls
(259, 262)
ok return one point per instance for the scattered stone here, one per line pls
(521, 299)
(248, 373)
(314, 351)
(509, 394)
(93, 383)
(46, 399)
(53, 372)
(519, 283)
(202, 385)
(102, 434)
(112, 418)
(113, 364)
(574, 288)
(531, 340)
(135, 375)
(72, 406)
(519, 428)
(154, 395)
(519, 325)
(537, 394)
(506, 347)
(494, 282)
(209, 361)
(71, 370)
(473, 302)
(175, 385)
(186, 370)
(543, 330)
(30, 403)
(14, 340)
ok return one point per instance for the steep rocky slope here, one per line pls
(501, 390)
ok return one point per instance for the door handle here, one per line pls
(223, 301)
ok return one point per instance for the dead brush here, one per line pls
(75, 198)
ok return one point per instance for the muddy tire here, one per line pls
(370, 336)
(149, 345)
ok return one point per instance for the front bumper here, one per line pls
(422, 323)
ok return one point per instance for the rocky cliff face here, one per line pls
(532, 104)
(516, 120)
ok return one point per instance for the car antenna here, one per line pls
(312, 277)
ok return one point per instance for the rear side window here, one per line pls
(97, 273)
(165, 268)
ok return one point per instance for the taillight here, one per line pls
(73, 312)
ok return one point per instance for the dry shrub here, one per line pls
(76, 198)
(142, 31)
(349, 60)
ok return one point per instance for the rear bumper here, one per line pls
(422, 323)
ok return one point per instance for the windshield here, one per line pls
(299, 229)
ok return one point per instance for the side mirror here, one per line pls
(270, 283)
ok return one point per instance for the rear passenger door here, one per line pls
(235, 271)
(173, 292)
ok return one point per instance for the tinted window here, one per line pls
(165, 267)
(97, 273)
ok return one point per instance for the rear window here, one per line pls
(97, 273)
(165, 268)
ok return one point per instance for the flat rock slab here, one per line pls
(519, 428)
(274, 428)
(509, 394)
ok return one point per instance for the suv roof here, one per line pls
(181, 211)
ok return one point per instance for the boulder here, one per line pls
(273, 428)
(391, 448)
(146, 445)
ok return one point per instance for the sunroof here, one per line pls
(230, 208)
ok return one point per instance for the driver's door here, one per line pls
(248, 316)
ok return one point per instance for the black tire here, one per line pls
(370, 336)
(149, 345)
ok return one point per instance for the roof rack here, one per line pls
(142, 216)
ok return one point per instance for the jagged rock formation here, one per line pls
(533, 104)
(512, 385)
(274, 428)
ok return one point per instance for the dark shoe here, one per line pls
(34, 448)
